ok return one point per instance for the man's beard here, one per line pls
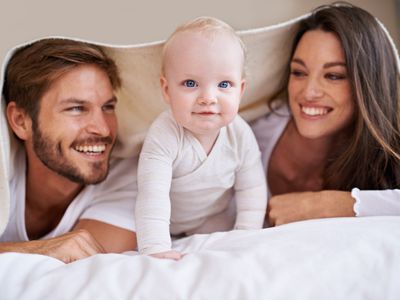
(51, 155)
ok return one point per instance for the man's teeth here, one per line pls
(314, 111)
(92, 149)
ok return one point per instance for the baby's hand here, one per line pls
(175, 255)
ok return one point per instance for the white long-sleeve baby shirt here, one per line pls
(180, 186)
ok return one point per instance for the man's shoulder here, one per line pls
(122, 171)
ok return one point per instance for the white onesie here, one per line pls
(179, 183)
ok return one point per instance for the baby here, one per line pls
(198, 154)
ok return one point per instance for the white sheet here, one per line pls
(344, 258)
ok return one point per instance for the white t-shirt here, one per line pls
(111, 201)
(179, 182)
(269, 128)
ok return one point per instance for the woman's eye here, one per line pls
(297, 73)
(335, 76)
(224, 84)
(190, 83)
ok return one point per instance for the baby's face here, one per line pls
(203, 80)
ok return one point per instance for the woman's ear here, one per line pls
(164, 89)
(19, 121)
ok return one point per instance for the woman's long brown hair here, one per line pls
(369, 157)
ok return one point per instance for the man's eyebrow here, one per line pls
(113, 99)
(72, 101)
(80, 101)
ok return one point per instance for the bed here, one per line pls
(339, 258)
(343, 258)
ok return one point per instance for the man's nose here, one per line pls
(99, 123)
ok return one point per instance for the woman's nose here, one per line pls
(313, 90)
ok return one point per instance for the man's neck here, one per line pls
(46, 188)
(48, 196)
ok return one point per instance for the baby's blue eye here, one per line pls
(190, 83)
(224, 84)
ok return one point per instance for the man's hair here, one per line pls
(209, 26)
(33, 69)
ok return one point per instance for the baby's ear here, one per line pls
(19, 121)
(164, 89)
(243, 86)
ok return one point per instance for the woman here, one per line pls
(338, 134)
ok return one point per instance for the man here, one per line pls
(65, 202)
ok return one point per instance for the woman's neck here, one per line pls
(297, 163)
(304, 152)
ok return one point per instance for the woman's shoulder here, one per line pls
(270, 123)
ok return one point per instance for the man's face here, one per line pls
(77, 125)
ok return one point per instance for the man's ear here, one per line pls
(243, 86)
(164, 89)
(19, 121)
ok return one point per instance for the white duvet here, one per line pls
(346, 258)
(343, 258)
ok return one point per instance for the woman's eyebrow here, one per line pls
(326, 65)
(298, 61)
(334, 64)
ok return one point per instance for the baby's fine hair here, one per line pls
(207, 25)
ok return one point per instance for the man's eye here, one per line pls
(77, 108)
(109, 107)
(224, 84)
(190, 83)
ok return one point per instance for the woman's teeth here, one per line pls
(314, 111)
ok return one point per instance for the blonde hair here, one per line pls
(207, 25)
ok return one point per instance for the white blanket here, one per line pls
(344, 258)
(355, 258)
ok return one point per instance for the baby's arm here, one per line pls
(250, 186)
(171, 254)
(153, 207)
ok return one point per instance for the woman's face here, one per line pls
(319, 88)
